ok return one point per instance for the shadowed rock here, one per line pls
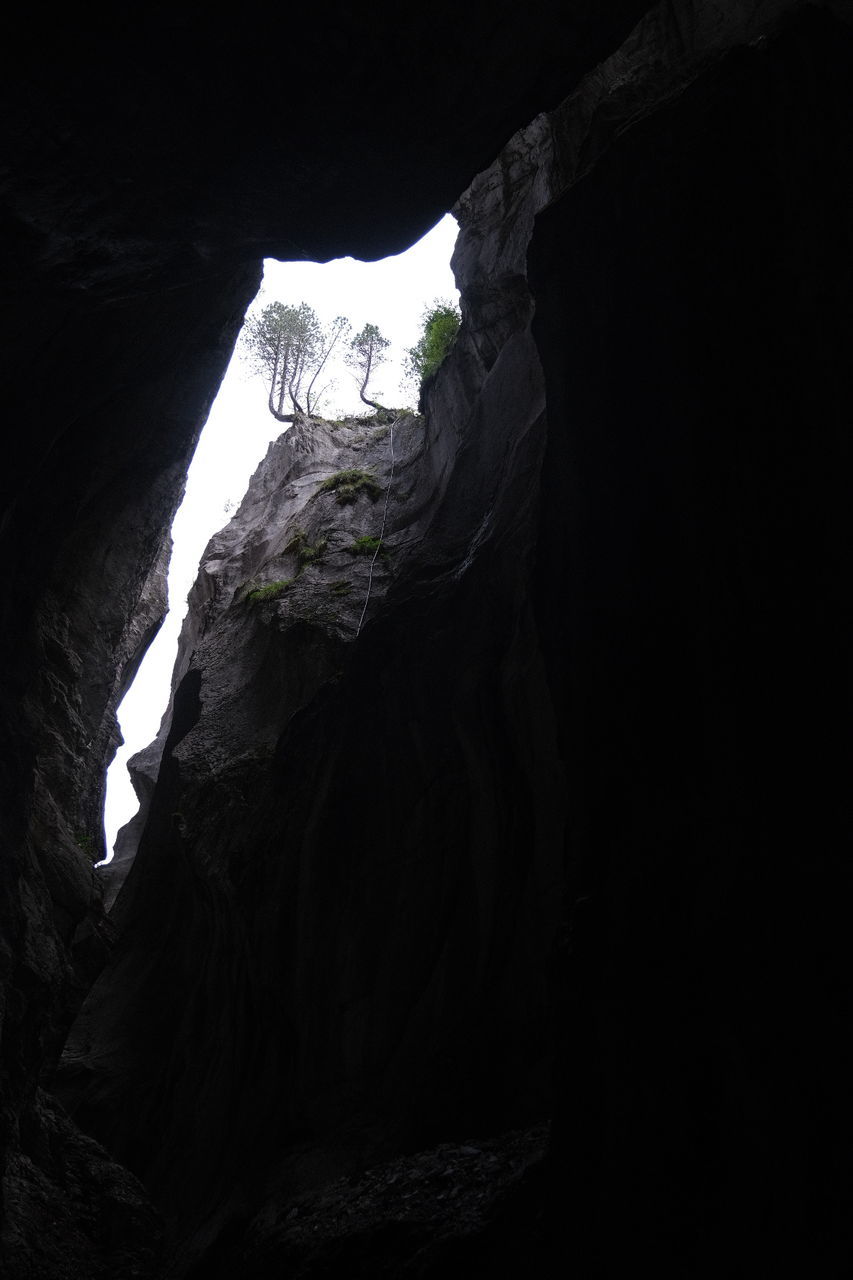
(584, 769)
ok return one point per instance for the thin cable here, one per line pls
(382, 531)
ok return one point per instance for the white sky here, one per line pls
(392, 294)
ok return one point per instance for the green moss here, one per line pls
(340, 588)
(348, 485)
(312, 555)
(255, 593)
(295, 543)
(85, 842)
(270, 592)
(366, 546)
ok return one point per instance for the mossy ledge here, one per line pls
(270, 592)
(367, 545)
(348, 485)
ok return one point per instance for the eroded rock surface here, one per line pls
(117, 1232)
(148, 164)
(325, 829)
(584, 769)
(364, 843)
(423, 1214)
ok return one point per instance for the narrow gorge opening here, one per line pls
(509, 934)
(393, 294)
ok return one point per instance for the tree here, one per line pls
(289, 348)
(440, 325)
(331, 336)
(366, 353)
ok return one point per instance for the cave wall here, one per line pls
(334, 940)
(149, 163)
(659, 319)
(684, 592)
(692, 316)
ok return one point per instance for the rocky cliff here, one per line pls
(149, 162)
(693, 533)
(559, 829)
(355, 908)
(371, 840)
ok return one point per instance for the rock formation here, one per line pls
(149, 162)
(559, 831)
(345, 788)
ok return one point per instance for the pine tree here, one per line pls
(366, 353)
(289, 348)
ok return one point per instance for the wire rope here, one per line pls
(382, 531)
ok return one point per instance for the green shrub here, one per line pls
(270, 592)
(311, 555)
(349, 484)
(295, 543)
(366, 546)
(440, 325)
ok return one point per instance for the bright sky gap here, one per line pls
(392, 294)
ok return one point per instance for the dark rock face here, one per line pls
(418, 1215)
(102, 1223)
(584, 769)
(148, 164)
(329, 826)
(85, 537)
(691, 315)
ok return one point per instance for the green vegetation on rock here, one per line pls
(440, 325)
(367, 545)
(298, 546)
(349, 484)
(270, 592)
(366, 353)
(290, 348)
(295, 543)
(311, 555)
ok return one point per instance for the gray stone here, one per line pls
(560, 826)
